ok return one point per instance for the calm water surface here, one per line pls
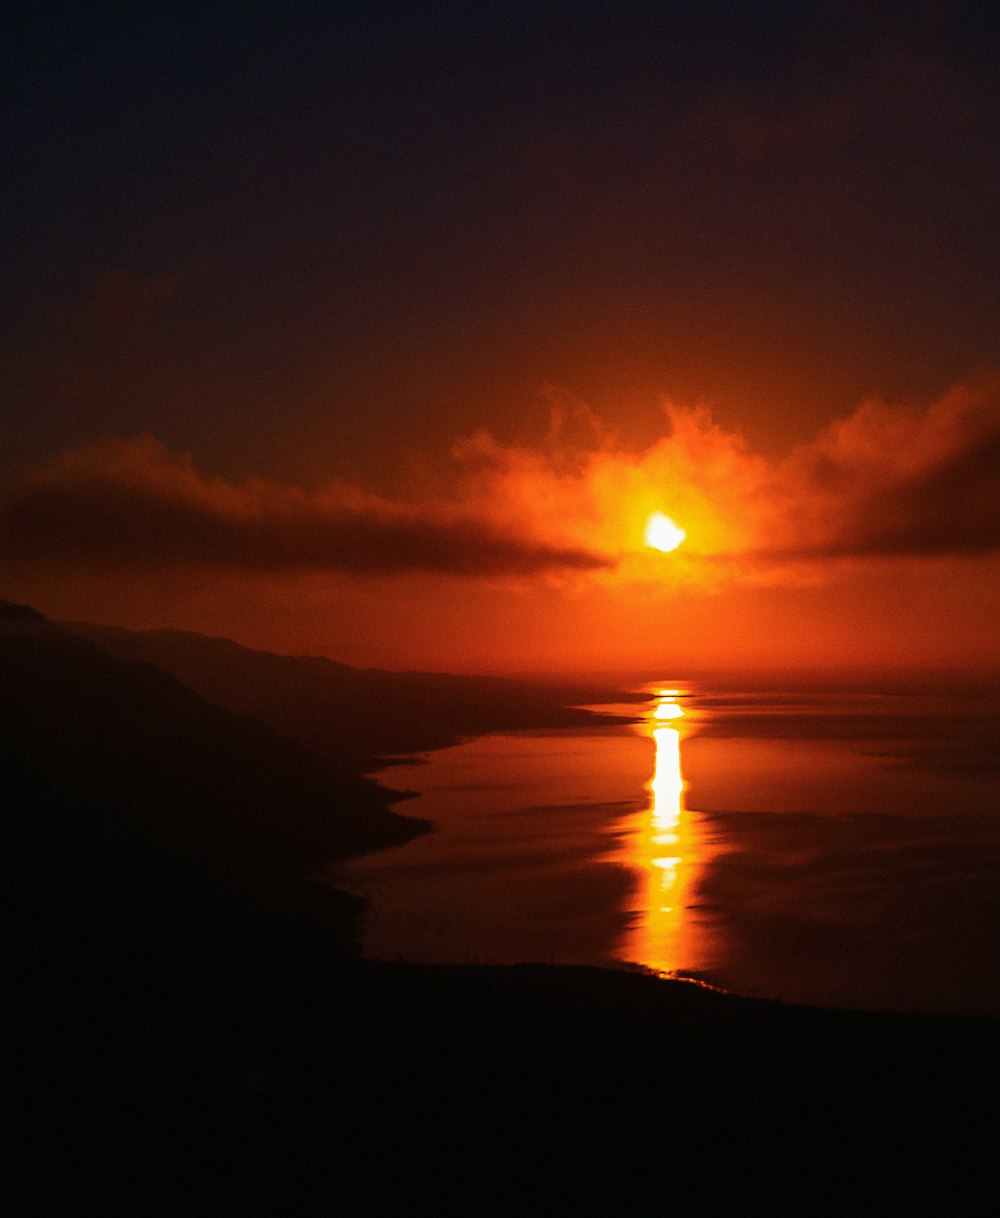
(841, 848)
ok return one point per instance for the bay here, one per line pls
(831, 846)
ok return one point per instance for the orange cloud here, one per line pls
(884, 482)
(888, 481)
(132, 503)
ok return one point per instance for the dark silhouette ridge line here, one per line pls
(361, 717)
(138, 811)
(194, 1029)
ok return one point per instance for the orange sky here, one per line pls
(873, 544)
(382, 338)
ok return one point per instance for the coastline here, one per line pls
(192, 1036)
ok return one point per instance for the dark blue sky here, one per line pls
(306, 241)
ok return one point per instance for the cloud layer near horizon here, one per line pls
(890, 482)
(132, 503)
(884, 482)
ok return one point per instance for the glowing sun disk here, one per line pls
(662, 533)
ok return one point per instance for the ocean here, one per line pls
(829, 845)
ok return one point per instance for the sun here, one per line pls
(662, 533)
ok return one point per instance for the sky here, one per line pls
(379, 330)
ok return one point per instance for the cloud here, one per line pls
(133, 504)
(888, 481)
(885, 482)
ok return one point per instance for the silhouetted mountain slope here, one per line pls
(124, 786)
(521, 1091)
(192, 1034)
(342, 711)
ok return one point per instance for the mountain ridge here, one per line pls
(367, 716)
(135, 806)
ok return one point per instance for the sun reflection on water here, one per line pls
(663, 849)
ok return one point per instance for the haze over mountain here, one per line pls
(345, 712)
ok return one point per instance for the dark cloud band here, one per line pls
(130, 504)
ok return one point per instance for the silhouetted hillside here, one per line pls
(348, 712)
(125, 789)
(192, 1033)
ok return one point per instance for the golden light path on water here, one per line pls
(664, 850)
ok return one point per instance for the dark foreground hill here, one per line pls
(339, 711)
(129, 800)
(527, 1090)
(193, 1035)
